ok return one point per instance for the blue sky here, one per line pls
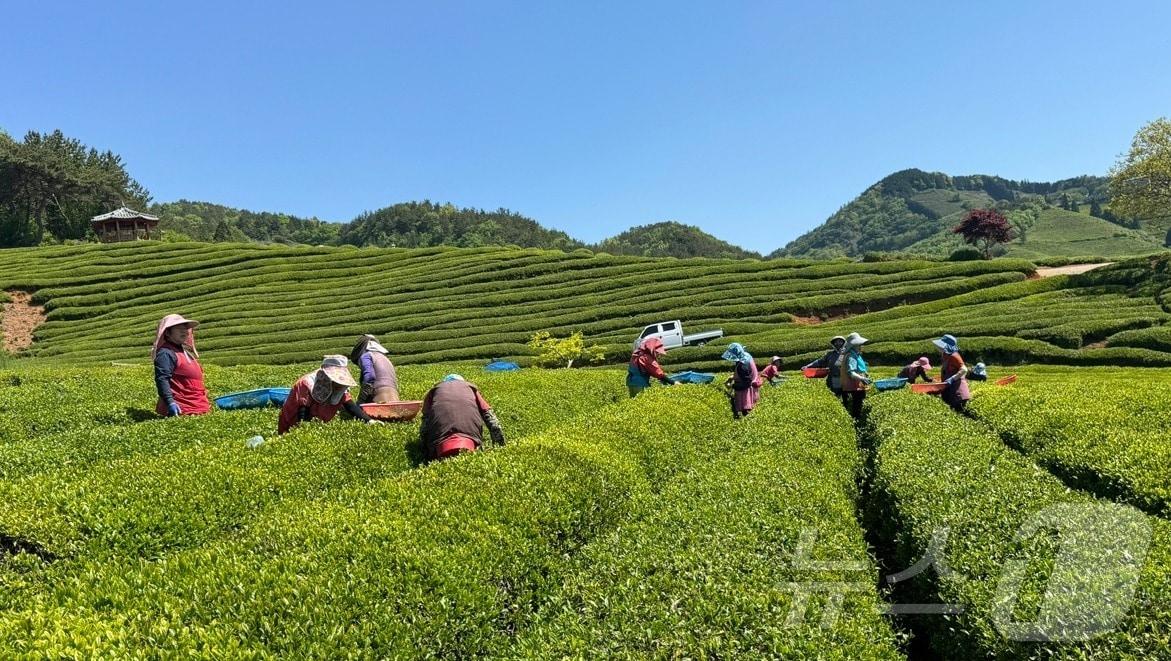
(752, 120)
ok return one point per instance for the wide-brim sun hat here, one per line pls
(835, 338)
(336, 369)
(925, 362)
(855, 340)
(947, 344)
(168, 322)
(775, 359)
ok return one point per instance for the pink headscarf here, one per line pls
(170, 321)
(653, 346)
(925, 362)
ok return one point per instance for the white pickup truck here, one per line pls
(672, 337)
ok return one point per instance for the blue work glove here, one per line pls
(173, 409)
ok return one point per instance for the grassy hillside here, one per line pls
(1055, 233)
(914, 211)
(293, 304)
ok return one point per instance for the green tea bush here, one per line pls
(941, 474)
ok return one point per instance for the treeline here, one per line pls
(51, 185)
(671, 239)
(426, 224)
(204, 221)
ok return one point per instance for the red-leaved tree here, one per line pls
(985, 228)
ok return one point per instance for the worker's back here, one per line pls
(452, 407)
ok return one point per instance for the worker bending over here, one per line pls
(320, 394)
(644, 366)
(454, 416)
(916, 370)
(379, 379)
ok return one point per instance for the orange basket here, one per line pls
(393, 411)
(1006, 380)
(928, 388)
(815, 372)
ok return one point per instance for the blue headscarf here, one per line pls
(452, 377)
(737, 354)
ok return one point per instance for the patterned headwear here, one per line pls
(947, 344)
(736, 353)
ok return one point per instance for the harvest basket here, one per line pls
(882, 385)
(928, 388)
(1006, 380)
(253, 399)
(393, 411)
(815, 372)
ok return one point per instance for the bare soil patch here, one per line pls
(19, 320)
(1072, 269)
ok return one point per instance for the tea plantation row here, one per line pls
(283, 305)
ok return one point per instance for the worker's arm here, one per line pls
(366, 363)
(963, 371)
(353, 409)
(490, 420)
(651, 368)
(165, 363)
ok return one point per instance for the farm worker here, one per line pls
(379, 379)
(644, 366)
(829, 361)
(320, 394)
(771, 371)
(178, 376)
(745, 380)
(953, 372)
(917, 369)
(454, 416)
(978, 373)
(853, 374)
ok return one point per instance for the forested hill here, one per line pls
(916, 207)
(671, 239)
(204, 221)
(426, 224)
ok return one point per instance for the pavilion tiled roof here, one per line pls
(125, 213)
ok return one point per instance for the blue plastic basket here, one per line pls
(501, 366)
(889, 384)
(693, 377)
(253, 399)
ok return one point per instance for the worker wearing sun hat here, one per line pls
(829, 361)
(454, 415)
(320, 394)
(953, 372)
(853, 373)
(770, 372)
(744, 382)
(917, 369)
(378, 377)
(644, 366)
(178, 375)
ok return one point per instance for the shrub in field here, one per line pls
(1107, 435)
(1039, 571)
(710, 568)
(448, 560)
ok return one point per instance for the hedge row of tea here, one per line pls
(282, 305)
(1033, 568)
(1106, 432)
(328, 542)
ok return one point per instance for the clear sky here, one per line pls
(752, 120)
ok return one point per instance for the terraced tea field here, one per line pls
(608, 526)
(282, 305)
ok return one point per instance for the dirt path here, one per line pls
(1072, 269)
(19, 320)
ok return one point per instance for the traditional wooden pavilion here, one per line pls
(124, 225)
